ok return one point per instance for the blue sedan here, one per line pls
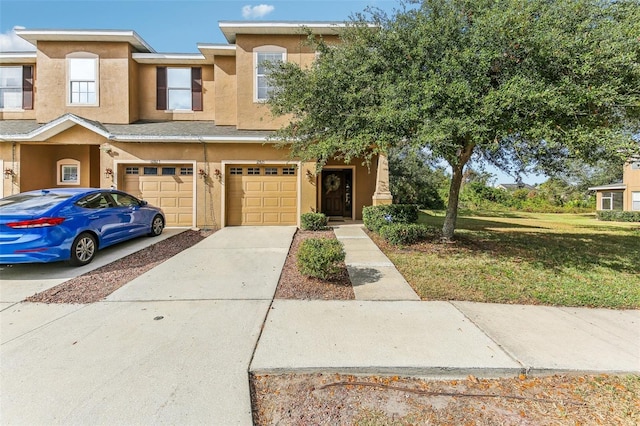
(56, 224)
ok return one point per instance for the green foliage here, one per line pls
(320, 257)
(413, 180)
(618, 216)
(519, 83)
(407, 233)
(375, 217)
(313, 221)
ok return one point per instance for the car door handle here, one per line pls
(95, 216)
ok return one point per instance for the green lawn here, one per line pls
(528, 258)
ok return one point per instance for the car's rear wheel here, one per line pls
(83, 249)
(157, 225)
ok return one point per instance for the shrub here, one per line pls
(407, 233)
(375, 217)
(618, 216)
(313, 221)
(320, 257)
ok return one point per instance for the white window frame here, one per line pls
(61, 165)
(96, 78)
(610, 197)
(11, 88)
(270, 49)
(171, 88)
(635, 201)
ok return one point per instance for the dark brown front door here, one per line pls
(333, 192)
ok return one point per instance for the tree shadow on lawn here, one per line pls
(619, 253)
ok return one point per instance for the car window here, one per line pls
(124, 200)
(94, 201)
(32, 203)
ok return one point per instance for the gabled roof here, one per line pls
(231, 29)
(143, 131)
(29, 130)
(128, 36)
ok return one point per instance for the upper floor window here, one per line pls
(262, 56)
(16, 87)
(179, 89)
(82, 74)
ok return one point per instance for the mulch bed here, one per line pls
(294, 285)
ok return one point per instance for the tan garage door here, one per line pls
(261, 195)
(169, 187)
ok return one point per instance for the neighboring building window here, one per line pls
(168, 171)
(16, 87)
(68, 172)
(82, 74)
(635, 165)
(262, 56)
(635, 201)
(612, 200)
(179, 89)
(186, 171)
(150, 170)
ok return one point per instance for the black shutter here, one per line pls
(27, 87)
(196, 89)
(161, 88)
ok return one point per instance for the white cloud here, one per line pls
(10, 42)
(252, 12)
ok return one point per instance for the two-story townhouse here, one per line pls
(188, 132)
(623, 195)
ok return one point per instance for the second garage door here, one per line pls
(261, 195)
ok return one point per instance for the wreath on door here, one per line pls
(332, 182)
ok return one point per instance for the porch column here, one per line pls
(382, 194)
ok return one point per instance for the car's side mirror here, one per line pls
(143, 203)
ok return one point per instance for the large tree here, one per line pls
(521, 84)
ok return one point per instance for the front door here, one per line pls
(333, 192)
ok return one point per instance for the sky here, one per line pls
(172, 26)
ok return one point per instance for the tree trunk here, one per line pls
(462, 157)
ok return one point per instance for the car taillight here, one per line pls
(36, 223)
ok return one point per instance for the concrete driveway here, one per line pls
(171, 347)
(18, 282)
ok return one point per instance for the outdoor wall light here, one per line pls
(202, 173)
(9, 173)
(310, 176)
(108, 173)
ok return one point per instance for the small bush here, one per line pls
(375, 217)
(320, 257)
(618, 216)
(407, 233)
(313, 221)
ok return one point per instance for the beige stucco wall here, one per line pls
(225, 95)
(257, 115)
(631, 178)
(365, 183)
(38, 170)
(113, 85)
(147, 95)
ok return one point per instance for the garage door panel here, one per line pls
(172, 193)
(288, 186)
(263, 199)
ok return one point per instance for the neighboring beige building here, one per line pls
(187, 132)
(624, 195)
